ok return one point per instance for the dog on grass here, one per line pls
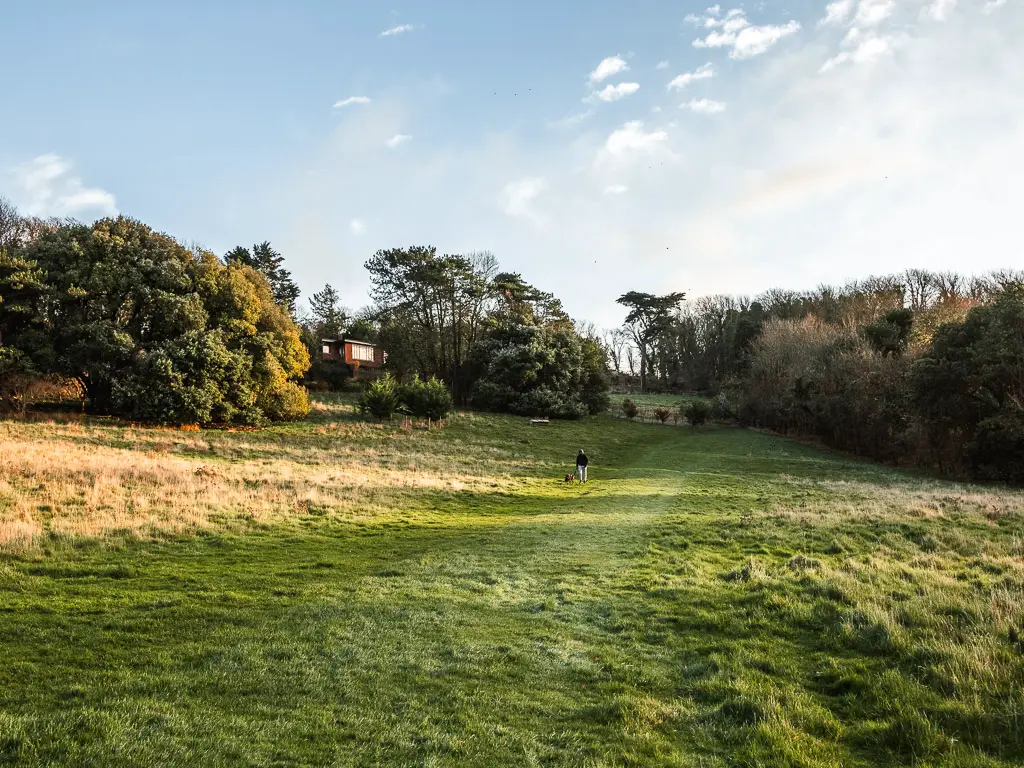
(570, 477)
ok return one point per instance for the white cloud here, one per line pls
(398, 139)
(662, 65)
(866, 49)
(632, 139)
(608, 67)
(356, 227)
(352, 100)
(992, 5)
(939, 10)
(519, 195)
(871, 13)
(703, 72)
(616, 92)
(45, 186)
(400, 29)
(714, 10)
(704, 106)
(744, 40)
(837, 12)
(616, 189)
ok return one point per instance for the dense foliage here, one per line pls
(530, 360)
(428, 399)
(382, 398)
(968, 389)
(919, 368)
(152, 330)
(495, 340)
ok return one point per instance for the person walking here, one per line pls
(581, 466)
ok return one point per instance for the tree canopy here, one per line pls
(153, 331)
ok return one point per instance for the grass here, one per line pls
(651, 399)
(340, 593)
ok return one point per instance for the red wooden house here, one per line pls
(365, 358)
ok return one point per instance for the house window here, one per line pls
(362, 352)
(327, 349)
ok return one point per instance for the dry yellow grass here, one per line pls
(93, 479)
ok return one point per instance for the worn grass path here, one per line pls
(710, 598)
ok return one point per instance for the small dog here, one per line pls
(570, 477)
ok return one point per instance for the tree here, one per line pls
(890, 335)
(13, 228)
(649, 316)
(328, 314)
(430, 308)
(21, 286)
(530, 360)
(160, 333)
(968, 390)
(381, 398)
(264, 259)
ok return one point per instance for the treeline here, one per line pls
(500, 343)
(920, 368)
(144, 327)
(497, 342)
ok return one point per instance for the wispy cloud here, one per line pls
(704, 106)
(939, 10)
(356, 227)
(743, 39)
(398, 139)
(661, 65)
(871, 13)
(864, 49)
(518, 197)
(352, 100)
(45, 186)
(702, 72)
(399, 30)
(616, 189)
(608, 67)
(616, 92)
(992, 5)
(837, 12)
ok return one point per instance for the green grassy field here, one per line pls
(337, 593)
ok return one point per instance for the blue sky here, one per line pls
(594, 147)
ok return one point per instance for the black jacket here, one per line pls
(581, 459)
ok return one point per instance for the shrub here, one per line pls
(426, 399)
(629, 408)
(288, 402)
(381, 398)
(721, 408)
(697, 412)
(663, 414)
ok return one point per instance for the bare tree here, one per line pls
(12, 225)
(632, 357)
(921, 288)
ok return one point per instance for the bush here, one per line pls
(697, 412)
(381, 398)
(997, 451)
(629, 408)
(289, 402)
(663, 414)
(721, 408)
(426, 399)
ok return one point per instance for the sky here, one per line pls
(594, 148)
